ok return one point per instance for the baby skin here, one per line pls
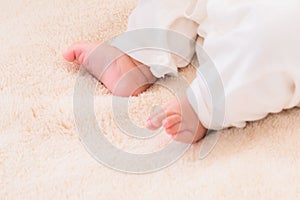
(125, 76)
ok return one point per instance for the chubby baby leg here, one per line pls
(179, 120)
(121, 74)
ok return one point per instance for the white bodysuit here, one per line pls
(254, 44)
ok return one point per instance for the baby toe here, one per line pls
(156, 119)
(68, 55)
(78, 51)
(171, 120)
(173, 130)
(150, 125)
(185, 137)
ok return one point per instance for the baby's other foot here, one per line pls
(121, 74)
(78, 52)
(179, 120)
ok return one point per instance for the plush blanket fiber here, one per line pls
(41, 155)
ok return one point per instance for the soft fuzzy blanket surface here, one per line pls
(41, 156)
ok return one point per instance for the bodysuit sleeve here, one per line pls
(148, 25)
(254, 66)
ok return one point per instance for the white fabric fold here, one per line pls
(254, 46)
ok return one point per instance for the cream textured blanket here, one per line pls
(40, 152)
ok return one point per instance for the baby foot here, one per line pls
(121, 74)
(179, 120)
(78, 52)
